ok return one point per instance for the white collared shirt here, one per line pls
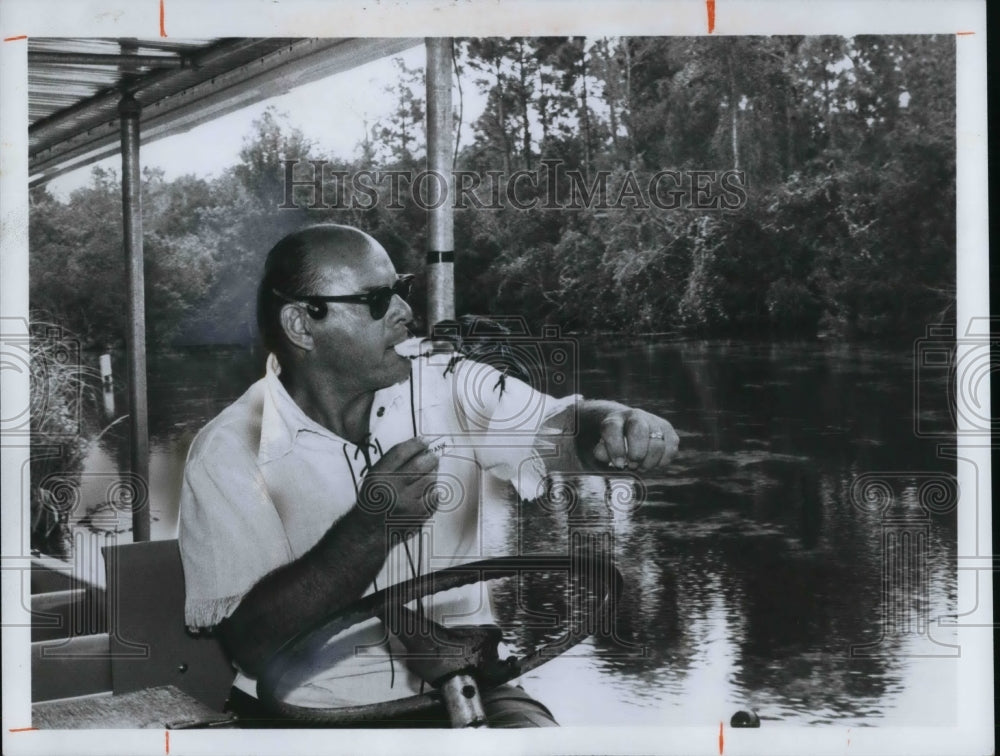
(263, 482)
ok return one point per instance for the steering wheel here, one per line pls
(456, 661)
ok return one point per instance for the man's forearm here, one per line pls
(330, 576)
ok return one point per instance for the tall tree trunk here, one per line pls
(543, 108)
(829, 112)
(502, 119)
(736, 140)
(611, 93)
(525, 122)
(788, 70)
(613, 118)
(734, 107)
(789, 133)
(585, 114)
(627, 99)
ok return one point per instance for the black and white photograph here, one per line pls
(378, 377)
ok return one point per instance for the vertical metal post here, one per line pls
(441, 214)
(129, 111)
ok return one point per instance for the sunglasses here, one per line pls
(378, 300)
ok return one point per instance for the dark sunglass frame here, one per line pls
(378, 300)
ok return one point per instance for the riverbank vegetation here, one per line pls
(844, 225)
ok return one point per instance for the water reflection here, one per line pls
(756, 574)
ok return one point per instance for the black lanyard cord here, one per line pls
(357, 498)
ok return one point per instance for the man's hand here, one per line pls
(635, 439)
(399, 485)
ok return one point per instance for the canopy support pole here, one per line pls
(129, 111)
(441, 212)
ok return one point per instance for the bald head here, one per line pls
(304, 262)
(332, 244)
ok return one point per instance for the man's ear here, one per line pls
(297, 326)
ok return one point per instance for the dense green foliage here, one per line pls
(848, 225)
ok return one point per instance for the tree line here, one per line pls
(845, 225)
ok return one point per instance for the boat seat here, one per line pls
(149, 642)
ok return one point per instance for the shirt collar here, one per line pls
(282, 419)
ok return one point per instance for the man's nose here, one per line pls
(399, 310)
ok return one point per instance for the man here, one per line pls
(281, 517)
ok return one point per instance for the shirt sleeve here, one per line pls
(509, 420)
(229, 532)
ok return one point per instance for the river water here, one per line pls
(794, 560)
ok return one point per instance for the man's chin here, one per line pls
(401, 368)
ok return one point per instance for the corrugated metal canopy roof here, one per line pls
(54, 85)
(75, 85)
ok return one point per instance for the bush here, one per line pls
(63, 424)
